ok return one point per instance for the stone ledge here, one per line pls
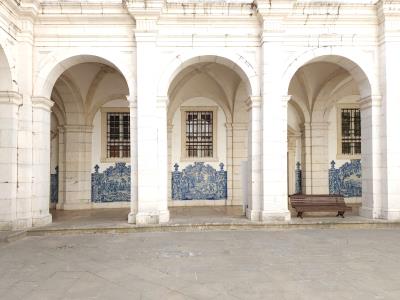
(272, 226)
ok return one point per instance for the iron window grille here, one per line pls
(118, 134)
(351, 131)
(199, 134)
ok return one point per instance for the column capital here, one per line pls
(39, 102)
(131, 99)
(319, 125)
(78, 128)
(253, 102)
(240, 125)
(133, 104)
(286, 98)
(162, 101)
(10, 97)
(370, 101)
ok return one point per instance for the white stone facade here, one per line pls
(277, 72)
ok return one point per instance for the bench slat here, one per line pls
(311, 203)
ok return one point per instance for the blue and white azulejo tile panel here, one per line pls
(199, 181)
(113, 185)
(346, 180)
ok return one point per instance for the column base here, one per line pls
(271, 216)
(16, 224)
(132, 218)
(74, 206)
(391, 215)
(253, 215)
(157, 217)
(42, 220)
(370, 213)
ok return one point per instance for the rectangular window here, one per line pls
(199, 134)
(351, 131)
(118, 135)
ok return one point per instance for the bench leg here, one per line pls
(340, 213)
(300, 214)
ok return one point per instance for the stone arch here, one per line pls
(355, 62)
(6, 81)
(56, 63)
(222, 104)
(92, 110)
(234, 61)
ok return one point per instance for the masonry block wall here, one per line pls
(280, 72)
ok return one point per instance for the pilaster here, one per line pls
(76, 169)
(9, 107)
(229, 161)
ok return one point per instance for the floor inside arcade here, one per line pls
(191, 218)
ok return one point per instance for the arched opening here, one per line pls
(90, 135)
(333, 134)
(208, 134)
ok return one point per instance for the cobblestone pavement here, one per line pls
(299, 264)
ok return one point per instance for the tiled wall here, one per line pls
(112, 185)
(199, 181)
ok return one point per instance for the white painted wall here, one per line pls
(96, 136)
(177, 135)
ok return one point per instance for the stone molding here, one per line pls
(42, 103)
(370, 101)
(253, 102)
(77, 128)
(10, 97)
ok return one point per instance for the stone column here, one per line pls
(275, 195)
(41, 109)
(253, 209)
(25, 172)
(373, 204)
(291, 163)
(306, 159)
(169, 137)
(9, 105)
(61, 167)
(229, 161)
(76, 171)
(240, 154)
(163, 158)
(134, 161)
(319, 158)
(152, 126)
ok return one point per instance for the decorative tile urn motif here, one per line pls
(54, 187)
(113, 185)
(199, 182)
(346, 180)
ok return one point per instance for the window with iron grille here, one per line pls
(118, 135)
(199, 133)
(351, 131)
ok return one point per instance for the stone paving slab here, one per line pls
(301, 264)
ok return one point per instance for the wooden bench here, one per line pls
(318, 203)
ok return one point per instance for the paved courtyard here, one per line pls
(295, 264)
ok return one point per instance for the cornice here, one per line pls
(10, 97)
(42, 103)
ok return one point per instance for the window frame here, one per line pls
(339, 108)
(103, 156)
(214, 110)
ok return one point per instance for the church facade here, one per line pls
(154, 104)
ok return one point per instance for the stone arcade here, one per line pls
(153, 104)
